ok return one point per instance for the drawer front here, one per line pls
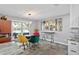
(3, 40)
(72, 52)
(73, 47)
(73, 43)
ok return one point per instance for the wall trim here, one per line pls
(57, 42)
(61, 43)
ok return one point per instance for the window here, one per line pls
(16, 27)
(58, 24)
(20, 27)
(52, 24)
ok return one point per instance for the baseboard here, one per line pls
(60, 43)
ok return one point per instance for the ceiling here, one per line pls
(37, 11)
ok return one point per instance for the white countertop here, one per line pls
(48, 31)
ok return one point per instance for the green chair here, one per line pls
(34, 39)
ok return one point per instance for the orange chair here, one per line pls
(22, 39)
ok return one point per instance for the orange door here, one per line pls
(5, 26)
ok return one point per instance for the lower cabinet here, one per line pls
(5, 30)
(73, 47)
(2, 40)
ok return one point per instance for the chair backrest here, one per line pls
(34, 39)
(22, 38)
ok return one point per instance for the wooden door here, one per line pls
(5, 26)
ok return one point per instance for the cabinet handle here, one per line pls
(74, 43)
(73, 51)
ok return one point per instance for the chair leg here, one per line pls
(29, 44)
(24, 46)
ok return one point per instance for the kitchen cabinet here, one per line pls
(74, 15)
(73, 47)
(73, 42)
(5, 31)
(3, 40)
(5, 26)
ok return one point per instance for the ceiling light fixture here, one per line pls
(29, 14)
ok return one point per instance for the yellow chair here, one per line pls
(22, 39)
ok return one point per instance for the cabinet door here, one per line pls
(73, 47)
(3, 40)
(1, 26)
(74, 15)
(5, 26)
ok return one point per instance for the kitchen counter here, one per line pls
(48, 31)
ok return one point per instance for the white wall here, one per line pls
(35, 24)
(62, 36)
